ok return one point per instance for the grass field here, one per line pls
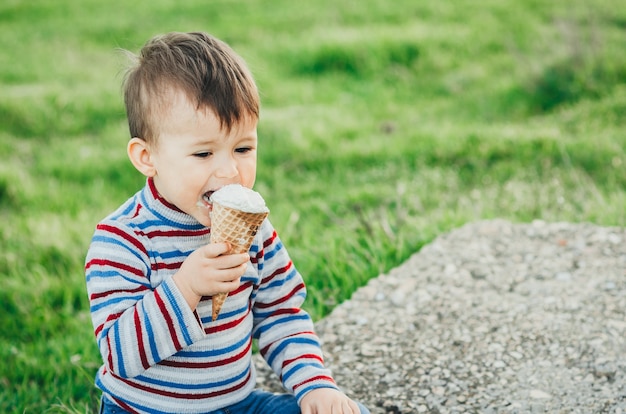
(384, 124)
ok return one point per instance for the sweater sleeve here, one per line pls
(285, 331)
(136, 325)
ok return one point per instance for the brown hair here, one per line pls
(205, 68)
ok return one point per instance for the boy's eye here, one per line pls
(202, 154)
(243, 150)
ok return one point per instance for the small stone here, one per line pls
(614, 238)
(539, 395)
(438, 391)
(563, 276)
(368, 350)
(398, 298)
(361, 320)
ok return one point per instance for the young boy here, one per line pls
(192, 109)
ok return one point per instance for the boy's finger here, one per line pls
(232, 265)
(212, 250)
(233, 261)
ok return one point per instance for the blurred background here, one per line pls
(383, 125)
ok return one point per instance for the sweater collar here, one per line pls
(165, 210)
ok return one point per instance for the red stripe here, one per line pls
(137, 210)
(124, 406)
(263, 351)
(242, 287)
(277, 272)
(116, 265)
(152, 188)
(317, 378)
(161, 265)
(304, 356)
(110, 356)
(177, 233)
(139, 332)
(188, 396)
(259, 255)
(168, 319)
(269, 241)
(226, 326)
(281, 299)
(125, 236)
(100, 295)
(286, 311)
(111, 317)
(212, 364)
(157, 196)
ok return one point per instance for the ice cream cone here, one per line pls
(237, 228)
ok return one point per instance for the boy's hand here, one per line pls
(327, 401)
(210, 270)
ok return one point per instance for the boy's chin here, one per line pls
(204, 220)
(202, 213)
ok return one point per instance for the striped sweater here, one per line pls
(161, 357)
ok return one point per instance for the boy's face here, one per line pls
(193, 157)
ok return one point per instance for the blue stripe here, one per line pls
(303, 316)
(169, 254)
(164, 220)
(242, 310)
(213, 352)
(298, 367)
(279, 282)
(271, 253)
(287, 342)
(177, 312)
(101, 385)
(131, 206)
(115, 273)
(265, 315)
(250, 278)
(117, 241)
(198, 386)
(118, 350)
(151, 337)
(154, 225)
(132, 403)
(314, 386)
(109, 302)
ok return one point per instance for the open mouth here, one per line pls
(205, 202)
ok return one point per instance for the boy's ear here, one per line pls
(140, 155)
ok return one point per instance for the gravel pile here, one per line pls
(493, 317)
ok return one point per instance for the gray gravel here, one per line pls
(493, 317)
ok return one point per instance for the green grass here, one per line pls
(384, 124)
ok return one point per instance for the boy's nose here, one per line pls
(227, 168)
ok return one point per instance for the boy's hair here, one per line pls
(205, 69)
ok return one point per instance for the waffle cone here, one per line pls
(237, 228)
